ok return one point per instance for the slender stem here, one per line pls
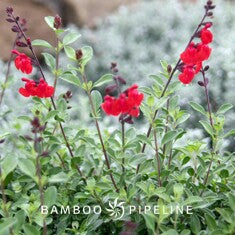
(40, 185)
(207, 97)
(57, 63)
(168, 83)
(158, 158)
(123, 150)
(212, 125)
(61, 160)
(99, 133)
(166, 127)
(52, 100)
(123, 144)
(8, 72)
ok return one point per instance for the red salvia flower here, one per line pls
(206, 35)
(128, 102)
(195, 54)
(32, 88)
(23, 62)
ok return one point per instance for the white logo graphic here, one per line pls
(116, 209)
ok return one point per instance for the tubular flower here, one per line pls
(128, 102)
(32, 88)
(195, 54)
(206, 35)
(23, 62)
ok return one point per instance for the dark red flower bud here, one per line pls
(17, 18)
(79, 54)
(200, 83)
(9, 10)
(209, 3)
(57, 22)
(110, 89)
(120, 79)
(169, 68)
(113, 65)
(2, 141)
(21, 44)
(29, 42)
(15, 29)
(69, 107)
(210, 13)
(206, 68)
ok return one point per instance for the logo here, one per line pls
(116, 209)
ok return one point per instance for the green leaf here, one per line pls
(231, 200)
(226, 214)
(50, 60)
(103, 80)
(87, 55)
(9, 163)
(161, 102)
(6, 225)
(59, 178)
(198, 108)
(170, 232)
(50, 196)
(169, 136)
(70, 52)
(41, 43)
(50, 21)
(195, 224)
(211, 223)
(27, 167)
(178, 191)
(224, 108)
(71, 78)
(30, 230)
(207, 127)
(150, 221)
(192, 199)
(230, 133)
(51, 114)
(97, 100)
(185, 232)
(71, 37)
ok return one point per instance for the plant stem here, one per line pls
(57, 64)
(168, 82)
(52, 100)
(40, 185)
(207, 97)
(99, 133)
(212, 125)
(8, 72)
(123, 144)
(158, 159)
(166, 127)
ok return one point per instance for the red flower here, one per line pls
(23, 62)
(41, 89)
(128, 102)
(195, 54)
(187, 76)
(206, 35)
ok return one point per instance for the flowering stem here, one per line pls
(205, 81)
(158, 159)
(166, 127)
(168, 82)
(52, 100)
(8, 72)
(207, 97)
(99, 133)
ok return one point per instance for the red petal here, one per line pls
(24, 92)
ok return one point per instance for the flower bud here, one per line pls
(200, 83)
(57, 22)
(206, 68)
(9, 10)
(169, 68)
(79, 54)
